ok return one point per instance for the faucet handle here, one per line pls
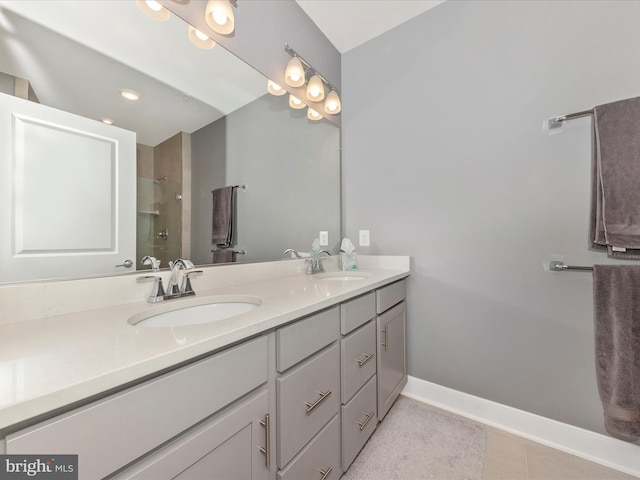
(186, 287)
(157, 293)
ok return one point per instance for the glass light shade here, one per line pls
(315, 89)
(275, 89)
(312, 114)
(199, 39)
(332, 104)
(153, 9)
(295, 102)
(219, 16)
(294, 73)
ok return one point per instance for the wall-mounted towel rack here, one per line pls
(242, 186)
(556, 122)
(557, 266)
(237, 252)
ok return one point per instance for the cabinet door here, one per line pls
(391, 362)
(231, 446)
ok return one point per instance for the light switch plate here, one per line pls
(324, 238)
(363, 236)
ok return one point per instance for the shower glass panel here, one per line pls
(159, 229)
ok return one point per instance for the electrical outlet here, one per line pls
(363, 236)
(324, 238)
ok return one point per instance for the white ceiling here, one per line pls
(91, 49)
(70, 76)
(350, 23)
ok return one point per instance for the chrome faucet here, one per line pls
(291, 250)
(314, 264)
(172, 286)
(159, 294)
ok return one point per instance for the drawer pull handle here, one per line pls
(267, 440)
(325, 473)
(385, 344)
(367, 357)
(323, 396)
(364, 424)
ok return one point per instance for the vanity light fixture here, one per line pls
(219, 16)
(130, 95)
(312, 114)
(274, 89)
(294, 73)
(332, 104)
(315, 89)
(295, 76)
(154, 10)
(199, 39)
(295, 102)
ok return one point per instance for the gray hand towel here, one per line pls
(222, 231)
(616, 293)
(222, 255)
(615, 204)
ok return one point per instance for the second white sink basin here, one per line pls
(197, 311)
(343, 276)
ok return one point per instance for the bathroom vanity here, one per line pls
(290, 390)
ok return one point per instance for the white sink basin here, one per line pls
(342, 276)
(196, 311)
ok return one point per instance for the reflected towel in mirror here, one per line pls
(222, 231)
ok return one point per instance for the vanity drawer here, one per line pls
(114, 431)
(387, 297)
(308, 397)
(357, 312)
(320, 456)
(302, 339)
(359, 420)
(358, 359)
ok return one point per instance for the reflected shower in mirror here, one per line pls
(204, 120)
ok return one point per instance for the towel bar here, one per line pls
(556, 266)
(238, 252)
(556, 122)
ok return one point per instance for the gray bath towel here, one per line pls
(224, 255)
(222, 231)
(616, 293)
(615, 204)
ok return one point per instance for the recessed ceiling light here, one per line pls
(130, 95)
(108, 121)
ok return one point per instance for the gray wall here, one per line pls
(445, 160)
(291, 166)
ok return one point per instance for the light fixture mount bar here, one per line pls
(293, 53)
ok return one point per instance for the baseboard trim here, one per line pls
(595, 447)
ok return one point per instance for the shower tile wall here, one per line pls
(160, 198)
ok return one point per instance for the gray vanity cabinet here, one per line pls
(308, 398)
(391, 347)
(123, 428)
(358, 375)
(232, 445)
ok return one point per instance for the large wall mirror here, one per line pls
(204, 121)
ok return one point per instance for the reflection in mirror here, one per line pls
(203, 121)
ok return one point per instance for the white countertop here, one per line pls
(49, 363)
